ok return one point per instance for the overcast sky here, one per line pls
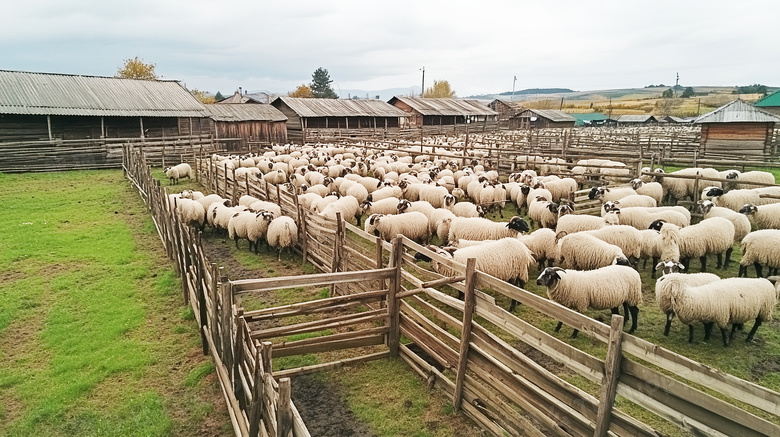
(478, 46)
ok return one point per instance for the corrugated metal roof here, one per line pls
(244, 112)
(551, 114)
(511, 104)
(635, 118)
(446, 107)
(62, 94)
(769, 101)
(340, 107)
(738, 112)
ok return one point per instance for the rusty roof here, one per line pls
(28, 93)
(445, 107)
(738, 111)
(339, 107)
(244, 112)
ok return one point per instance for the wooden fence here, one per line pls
(476, 361)
(87, 154)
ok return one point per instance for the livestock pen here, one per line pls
(470, 341)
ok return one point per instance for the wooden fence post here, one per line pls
(202, 287)
(256, 409)
(465, 336)
(611, 374)
(284, 417)
(224, 320)
(394, 334)
(238, 348)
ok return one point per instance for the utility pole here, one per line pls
(676, 84)
(561, 108)
(422, 91)
(513, 89)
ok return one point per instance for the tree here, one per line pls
(668, 106)
(219, 97)
(688, 92)
(302, 91)
(668, 94)
(136, 69)
(320, 85)
(203, 96)
(440, 89)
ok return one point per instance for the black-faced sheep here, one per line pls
(714, 235)
(665, 285)
(740, 221)
(412, 225)
(605, 288)
(764, 216)
(760, 248)
(586, 252)
(477, 228)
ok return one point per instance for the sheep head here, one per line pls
(564, 209)
(636, 183)
(713, 192)
(657, 225)
(403, 205)
(549, 276)
(669, 266)
(518, 224)
(705, 206)
(748, 209)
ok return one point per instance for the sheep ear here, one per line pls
(659, 266)
(682, 267)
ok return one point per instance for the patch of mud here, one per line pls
(765, 367)
(543, 360)
(218, 251)
(324, 410)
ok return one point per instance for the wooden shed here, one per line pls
(437, 112)
(505, 109)
(308, 114)
(631, 119)
(738, 129)
(540, 119)
(45, 106)
(770, 103)
(252, 123)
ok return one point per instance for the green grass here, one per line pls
(85, 311)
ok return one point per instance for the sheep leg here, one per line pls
(733, 330)
(634, 318)
(574, 334)
(707, 330)
(728, 257)
(558, 327)
(703, 261)
(236, 238)
(513, 305)
(690, 333)
(669, 317)
(753, 331)
(719, 258)
(686, 262)
(759, 270)
(725, 337)
(625, 312)
(742, 271)
(652, 266)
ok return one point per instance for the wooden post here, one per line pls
(304, 234)
(234, 194)
(48, 123)
(256, 409)
(266, 357)
(201, 287)
(284, 419)
(379, 261)
(394, 334)
(611, 374)
(238, 357)
(224, 182)
(226, 322)
(465, 336)
(336, 260)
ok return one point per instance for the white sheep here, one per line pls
(209, 200)
(634, 200)
(433, 194)
(191, 212)
(385, 206)
(179, 171)
(584, 251)
(760, 248)
(763, 177)
(413, 225)
(764, 216)
(422, 206)
(463, 209)
(641, 218)
(439, 223)
(731, 300)
(665, 285)
(385, 192)
(714, 235)
(282, 233)
(679, 188)
(740, 221)
(262, 205)
(736, 199)
(477, 228)
(191, 194)
(348, 207)
(561, 188)
(249, 225)
(572, 223)
(606, 288)
(605, 194)
(627, 238)
(652, 189)
(507, 259)
(543, 246)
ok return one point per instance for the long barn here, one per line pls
(438, 112)
(304, 115)
(252, 123)
(45, 106)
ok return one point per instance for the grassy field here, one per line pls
(94, 336)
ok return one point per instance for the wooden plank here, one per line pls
(249, 285)
(334, 365)
(303, 307)
(320, 325)
(393, 303)
(465, 336)
(327, 345)
(284, 420)
(726, 384)
(611, 374)
(433, 346)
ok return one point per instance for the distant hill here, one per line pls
(538, 91)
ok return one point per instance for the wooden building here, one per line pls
(633, 119)
(540, 119)
(437, 112)
(342, 114)
(738, 129)
(252, 123)
(770, 103)
(590, 119)
(505, 109)
(45, 106)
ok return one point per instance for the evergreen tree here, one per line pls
(688, 93)
(219, 97)
(320, 85)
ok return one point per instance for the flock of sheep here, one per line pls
(596, 258)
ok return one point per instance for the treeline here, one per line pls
(539, 91)
(751, 89)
